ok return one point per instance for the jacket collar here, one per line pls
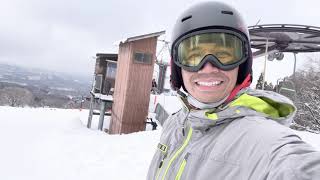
(248, 102)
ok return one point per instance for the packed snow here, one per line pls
(46, 143)
(51, 144)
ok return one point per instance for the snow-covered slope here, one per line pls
(40, 144)
(54, 144)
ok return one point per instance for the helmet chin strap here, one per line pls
(200, 105)
(246, 83)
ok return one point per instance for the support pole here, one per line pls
(102, 112)
(91, 111)
(265, 63)
(294, 67)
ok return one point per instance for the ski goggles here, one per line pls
(225, 50)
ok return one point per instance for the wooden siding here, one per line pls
(132, 87)
(100, 67)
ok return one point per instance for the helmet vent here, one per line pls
(186, 18)
(227, 12)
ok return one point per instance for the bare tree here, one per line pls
(307, 82)
(15, 96)
(268, 87)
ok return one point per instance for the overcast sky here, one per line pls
(64, 35)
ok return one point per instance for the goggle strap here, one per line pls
(244, 84)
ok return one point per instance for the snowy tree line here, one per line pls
(307, 84)
(304, 89)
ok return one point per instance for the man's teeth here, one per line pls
(215, 83)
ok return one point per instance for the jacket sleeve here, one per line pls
(293, 159)
(157, 157)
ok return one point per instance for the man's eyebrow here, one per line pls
(195, 48)
(226, 52)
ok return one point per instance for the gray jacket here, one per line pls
(246, 139)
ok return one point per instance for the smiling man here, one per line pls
(209, 84)
(225, 130)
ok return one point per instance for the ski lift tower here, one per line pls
(273, 40)
(161, 78)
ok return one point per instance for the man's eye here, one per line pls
(193, 55)
(223, 54)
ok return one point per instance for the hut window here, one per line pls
(111, 70)
(98, 82)
(145, 58)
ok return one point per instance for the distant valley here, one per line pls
(20, 86)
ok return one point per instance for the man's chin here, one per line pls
(207, 98)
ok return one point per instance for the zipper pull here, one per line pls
(161, 163)
(187, 156)
(183, 133)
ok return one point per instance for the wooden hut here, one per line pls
(105, 72)
(104, 81)
(135, 65)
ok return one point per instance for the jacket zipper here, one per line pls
(160, 166)
(182, 166)
(177, 153)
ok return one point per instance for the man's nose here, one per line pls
(208, 68)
